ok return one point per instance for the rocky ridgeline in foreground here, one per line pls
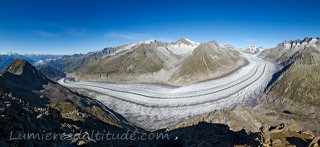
(18, 117)
(31, 103)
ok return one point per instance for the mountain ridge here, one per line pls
(286, 49)
(153, 61)
(208, 60)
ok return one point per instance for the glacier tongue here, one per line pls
(153, 107)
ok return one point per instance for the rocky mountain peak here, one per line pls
(21, 74)
(307, 39)
(214, 43)
(285, 50)
(186, 42)
(292, 44)
(252, 49)
(209, 46)
(19, 66)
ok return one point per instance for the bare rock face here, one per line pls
(17, 67)
(315, 142)
(19, 117)
(272, 128)
(282, 135)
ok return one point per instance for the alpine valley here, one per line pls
(195, 94)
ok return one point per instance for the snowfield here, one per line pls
(153, 107)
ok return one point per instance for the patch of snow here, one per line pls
(313, 42)
(192, 42)
(125, 48)
(9, 54)
(287, 46)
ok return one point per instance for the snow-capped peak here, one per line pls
(252, 49)
(192, 42)
(124, 48)
(186, 41)
(306, 42)
(9, 54)
(182, 47)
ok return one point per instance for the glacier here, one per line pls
(155, 106)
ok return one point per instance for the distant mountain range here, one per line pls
(251, 49)
(35, 59)
(144, 61)
(7, 58)
(38, 60)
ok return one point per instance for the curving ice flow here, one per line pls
(152, 106)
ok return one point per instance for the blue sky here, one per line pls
(80, 26)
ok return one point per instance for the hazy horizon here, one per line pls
(35, 53)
